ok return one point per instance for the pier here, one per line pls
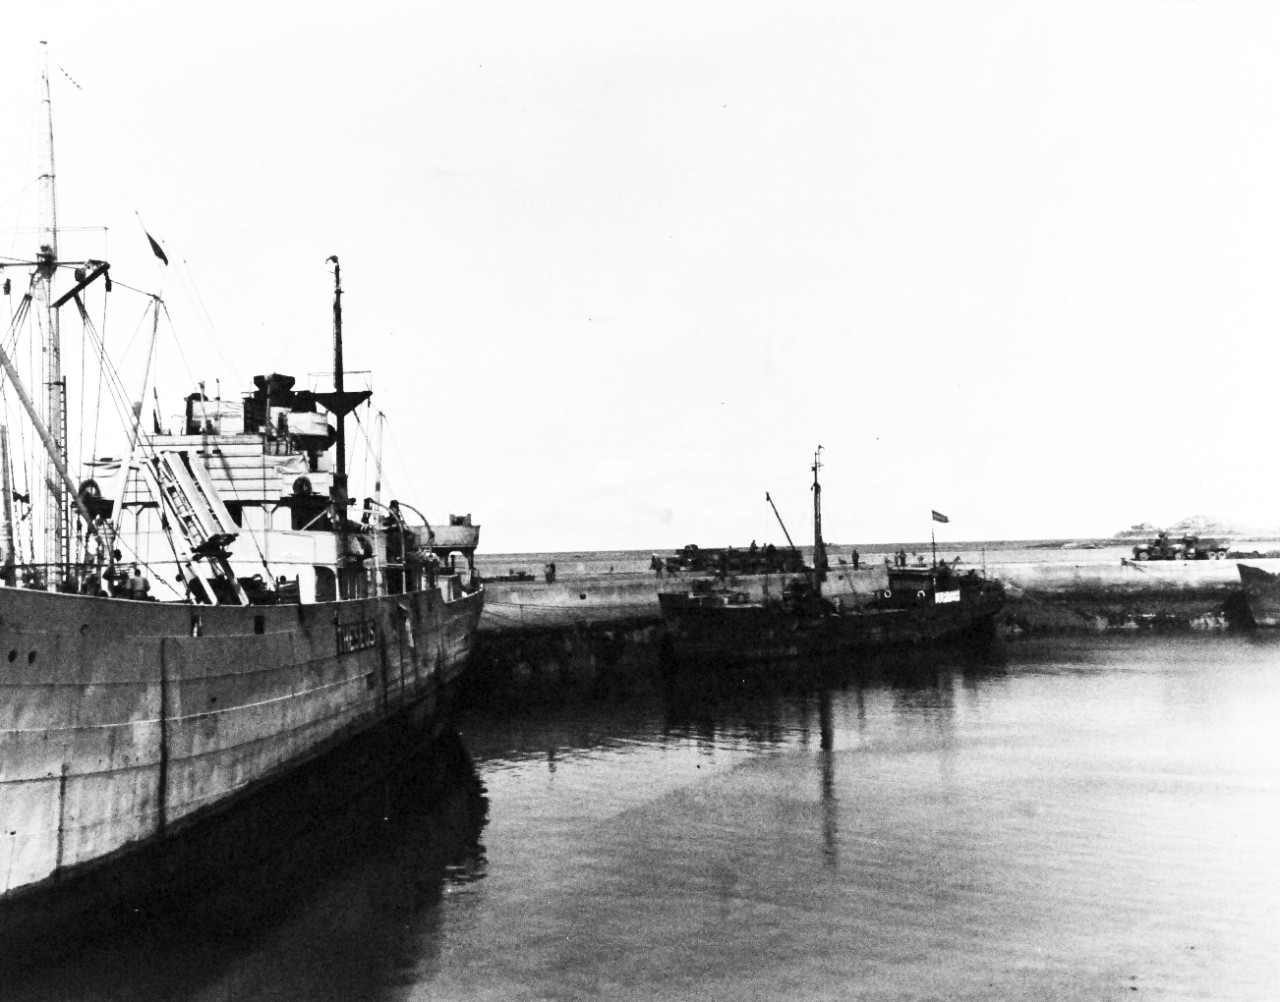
(1042, 597)
(591, 631)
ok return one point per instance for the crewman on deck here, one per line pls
(139, 587)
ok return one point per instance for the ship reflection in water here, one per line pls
(1092, 818)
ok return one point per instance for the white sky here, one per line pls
(619, 268)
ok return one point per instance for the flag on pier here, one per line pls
(939, 517)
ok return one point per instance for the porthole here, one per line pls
(31, 657)
(13, 656)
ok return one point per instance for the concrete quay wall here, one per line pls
(1042, 597)
(596, 635)
(627, 597)
(1174, 594)
(1127, 576)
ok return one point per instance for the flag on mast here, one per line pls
(158, 250)
(939, 517)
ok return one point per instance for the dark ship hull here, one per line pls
(1261, 594)
(706, 628)
(138, 761)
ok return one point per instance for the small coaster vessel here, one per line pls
(710, 625)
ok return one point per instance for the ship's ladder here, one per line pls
(205, 527)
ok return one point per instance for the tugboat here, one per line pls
(198, 626)
(709, 625)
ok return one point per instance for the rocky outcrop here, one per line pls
(1199, 525)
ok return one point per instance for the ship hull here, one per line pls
(700, 639)
(1261, 594)
(135, 737)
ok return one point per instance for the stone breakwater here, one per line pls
(595, 635)
(1050, 597)
(1127, 595)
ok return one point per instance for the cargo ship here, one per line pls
(198, 624)
(709, 624)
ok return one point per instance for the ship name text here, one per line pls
(356, 636)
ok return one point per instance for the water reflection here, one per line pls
(776, 703)
(349, 912)
(830, 806)
(1067, 820)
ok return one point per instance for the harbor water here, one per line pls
(1082, 818)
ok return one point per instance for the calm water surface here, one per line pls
(1091, 819)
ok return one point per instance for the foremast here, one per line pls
(56, 515)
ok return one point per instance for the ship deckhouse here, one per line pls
(255, 480)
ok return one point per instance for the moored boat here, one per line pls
(711, 624)
(197, 623)
(1261, 594)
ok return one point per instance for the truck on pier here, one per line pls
(1166, 547)
(751, 560)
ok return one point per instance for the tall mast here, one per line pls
(340, 403)
(819, 548)
(55, 513)
(339, 493)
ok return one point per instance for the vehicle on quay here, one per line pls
(1187, 547)
(730, 560)
(197, 623)
(710, 624)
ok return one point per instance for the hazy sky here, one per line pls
(619, 268)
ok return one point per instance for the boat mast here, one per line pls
(56, 516)
(340, 403)
(339, 491)
(819, 548)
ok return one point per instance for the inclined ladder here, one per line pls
(205, 527)
(63, 515)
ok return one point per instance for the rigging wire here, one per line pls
(26, 449)
(227, 360)
(395, 447)
(178, 344)
(183, 276)
(87, 428)
(119, 393)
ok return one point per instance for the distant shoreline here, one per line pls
(876, 549)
